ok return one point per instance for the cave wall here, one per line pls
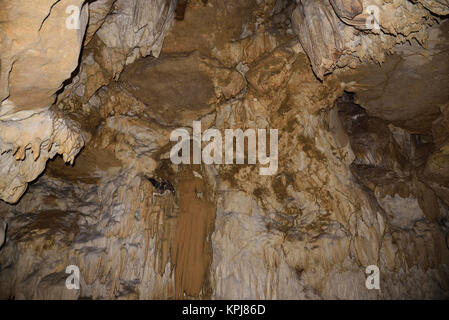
(362, 178)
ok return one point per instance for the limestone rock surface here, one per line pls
(362, 175)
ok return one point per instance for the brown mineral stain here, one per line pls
(191, 250)
(88, 166)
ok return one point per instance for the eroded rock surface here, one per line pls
(362, 176)
(38, 53)
(336, 34)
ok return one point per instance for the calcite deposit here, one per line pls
(91, 92)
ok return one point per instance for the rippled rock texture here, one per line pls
(357, 89)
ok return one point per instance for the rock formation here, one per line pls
(358, 91)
